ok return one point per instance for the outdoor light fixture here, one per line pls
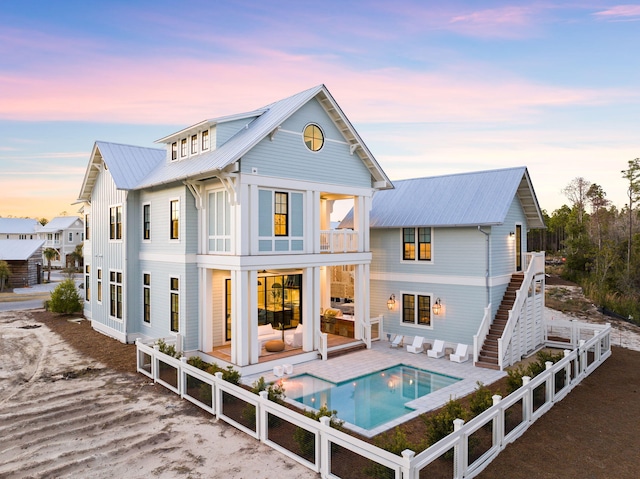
(512, 235)
(392, 302)
(437, 307)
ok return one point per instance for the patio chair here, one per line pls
(437, 351)
(416, 346)
(461, 355)
(397, 341)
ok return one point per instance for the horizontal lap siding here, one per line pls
(286, 156)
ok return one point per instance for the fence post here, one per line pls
(498, 423)
(323, 449)
(154, 363)
(217, 394)
(182, 378)
(459, 451)
(528, 400)
(567, 369)
(262, 417)
(407, 468)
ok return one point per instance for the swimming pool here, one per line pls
(371, 400)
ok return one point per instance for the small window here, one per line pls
(313, 137)
(205, 140)
(194, 144)
(115, 222)
(174, 151)
(87, 227)
(175, 219)
(146, 295)
(183, 148)
(99, 292)
(146, 222)
(281, 216)
(70, 236)
(87, 282)
(175, 305)
(422, 245)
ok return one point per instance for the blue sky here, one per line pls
(432, 87)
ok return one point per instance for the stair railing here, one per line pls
(483, 330)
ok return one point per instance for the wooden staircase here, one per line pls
(488, 357)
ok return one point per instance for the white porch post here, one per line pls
(311, 295)
(252, 316)
(206, 309)
(361, 310)
(239, 319)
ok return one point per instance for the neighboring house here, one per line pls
(24, 258)
(444, 251)
(227, 228)
(19, 229)
(64, 234)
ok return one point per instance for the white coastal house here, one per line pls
(63, 234)
(19, 229)
(221, 240)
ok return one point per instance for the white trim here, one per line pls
(180, 220)
(417, 243)
(106, 330)
(168, 257)
(124, 309)
(181, 325)
(441, 279)
(144, 323)
(415, 294)
(143, 239)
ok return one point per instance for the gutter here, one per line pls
(486, 275)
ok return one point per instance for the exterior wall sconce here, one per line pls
(512, 235)
(437, 307)
(391, 303)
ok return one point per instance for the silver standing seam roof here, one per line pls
(59, 223)
(19, 226)
(19, 250)
(479, 198)
(137, 167)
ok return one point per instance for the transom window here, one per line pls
(313, 137)
(416, 239)
(281, 214)
(416, 309)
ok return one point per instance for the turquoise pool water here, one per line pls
(371, 400)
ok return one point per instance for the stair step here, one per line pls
(487, 365)
(332, 353)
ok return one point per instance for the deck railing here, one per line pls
(334, 454)
(338, 241)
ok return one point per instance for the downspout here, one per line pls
(486, 274)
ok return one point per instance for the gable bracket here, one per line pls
(196, 191)
(353, 147)
(272, 135)
(228, 181)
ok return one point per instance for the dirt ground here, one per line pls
(71, 405)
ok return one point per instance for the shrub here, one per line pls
(5, 272)
(440, 425)
(168, 349)
(480, 400)
(305, 439)
(65, 298)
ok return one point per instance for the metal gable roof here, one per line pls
(260, 123)
(468, 199)
(19, 226)
(59, 223)
(19, 250)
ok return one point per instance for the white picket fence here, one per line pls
(335, 454)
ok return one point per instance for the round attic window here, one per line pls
(313, 137)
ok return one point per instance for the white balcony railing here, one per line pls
(338, 241)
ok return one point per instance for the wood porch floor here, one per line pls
(333, 340)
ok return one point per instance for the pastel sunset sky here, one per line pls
(433, 87)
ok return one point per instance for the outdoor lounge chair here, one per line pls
(437, 351)
(397, 341)
(416, 346)
(461, 355)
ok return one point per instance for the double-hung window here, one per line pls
(174, 223)
(115, 294)
(115, 222)
(174, 151)
(183, 148)
(175, 304)
(146, 297)
(87, 282)
(205, 140)
(87, 227)
(416, 244)
(146, 221)
(194, 144)
(416, 309)
(281, 214)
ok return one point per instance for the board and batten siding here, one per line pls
(219, 305)
(286, 156)
(109, 255)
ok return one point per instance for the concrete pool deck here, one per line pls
(382, 356)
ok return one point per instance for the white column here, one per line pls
(206, 309)
(311, 305)
(239, 319)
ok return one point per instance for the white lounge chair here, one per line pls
(416, 346)
(437, 351)
(397, 341)
(461, 355)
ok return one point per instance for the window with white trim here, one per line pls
(115, 222)
(174, 151)
(183, 148)
(146, 221)
(175, 304)
(174, 223)
(416, 244)
(99, 286)
(194, 144)
(115, 294)
(205, 140)
(146, 298)
(416, 309)
(87, 282)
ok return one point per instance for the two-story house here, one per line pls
(449, 254)
(63, 234)
(19, 228)
(227, 229)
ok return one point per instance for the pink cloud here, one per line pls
(184, 91)
(620, 12)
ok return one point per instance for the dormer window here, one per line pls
(174, 151)
(205, 140)
(183, 148)
(194, 144)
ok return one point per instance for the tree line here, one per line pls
(599, 244)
